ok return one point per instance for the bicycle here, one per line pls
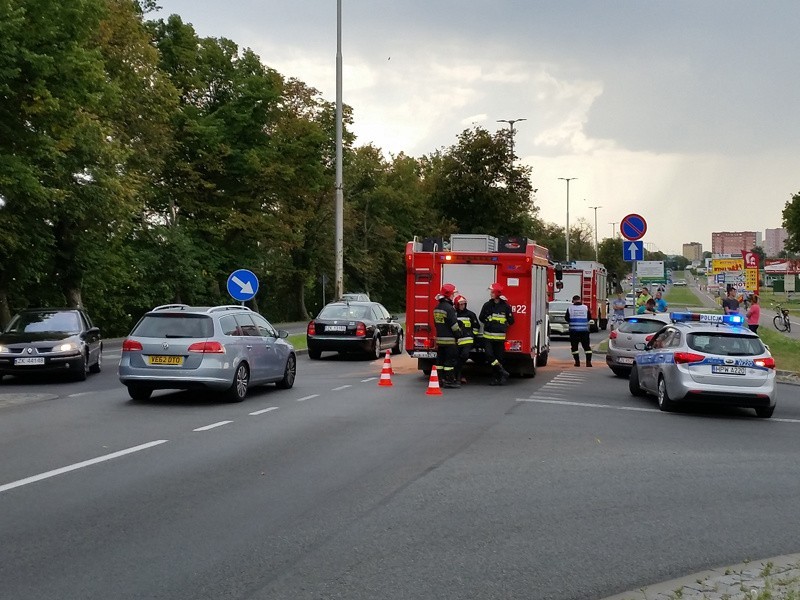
(781, 320)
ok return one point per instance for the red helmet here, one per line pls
(448, 289)
(496, 287)
(459, 299)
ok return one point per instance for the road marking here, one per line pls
(587, 404)
(368, 379)
(80, 465)
(304, 398)
(785, 420)
(340, 388)
(261, 412)
(212, 426)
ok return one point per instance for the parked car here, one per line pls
(558, 324)
(630, 300)
(680, 283)
(54, 340)
(706, 359)
(354, 327)
(219, 348)
(623, 341)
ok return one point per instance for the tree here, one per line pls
(791, 222)
(759, 251)
(610, 254)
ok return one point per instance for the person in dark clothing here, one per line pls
(578, 317)
(448, 331)
(469, 331)
(497, 317)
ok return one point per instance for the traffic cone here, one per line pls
(388, 360)
(433, 383)
(386, 374)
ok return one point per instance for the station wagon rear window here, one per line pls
(641, 326)
(723, 344)
(174, 325)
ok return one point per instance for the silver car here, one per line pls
(630, 333)
(221, 348)
(708, 359)
(558, 324)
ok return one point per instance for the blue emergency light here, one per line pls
(687, 317)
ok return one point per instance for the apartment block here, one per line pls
(733, 242)
(693, 251)
(775, 241)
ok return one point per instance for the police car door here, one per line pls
(656, 356)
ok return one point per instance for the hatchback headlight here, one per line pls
(3, 349)
(67, 347)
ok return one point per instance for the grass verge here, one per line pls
(681, 296)
(784, 349)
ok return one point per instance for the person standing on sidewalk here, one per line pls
(753, 314)
(496, 317)
(578, 317)
(730, 304)
(619, 311)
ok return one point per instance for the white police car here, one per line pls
(708, 359)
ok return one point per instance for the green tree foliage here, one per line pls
(791, 222)
(610, 254)
(759, 251)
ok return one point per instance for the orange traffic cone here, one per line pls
(388, 360)
(386, 373)
(433, 383)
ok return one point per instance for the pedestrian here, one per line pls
(753, 314)
(619, 310)
(661, 304)
(496, 317)
(578, 317)
(644, 294)
(730, 304)
(470, 328)
(448, 331)
(647, 307)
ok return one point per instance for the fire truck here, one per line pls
(472, 263)
(587, 279)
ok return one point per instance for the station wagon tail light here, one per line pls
(513, 346)
(612, 335)
(688, 357)
(767, 363)
(361, 330)
(207, 348)
(131, 346)
(312, 328)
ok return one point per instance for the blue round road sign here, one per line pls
(242, 285)
(633, 227)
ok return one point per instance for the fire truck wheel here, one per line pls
(541, 359)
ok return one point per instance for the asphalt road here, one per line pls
(562, 486)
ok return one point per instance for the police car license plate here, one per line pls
(29, 360)
(335, 328)
(625, 361)
(727, 370)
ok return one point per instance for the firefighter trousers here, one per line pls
(582, 338)
(495, 356)
(447, 361)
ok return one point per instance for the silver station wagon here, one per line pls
(219, 348)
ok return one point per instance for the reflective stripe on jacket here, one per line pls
(444, 318)
(469, 327)
(496, 317)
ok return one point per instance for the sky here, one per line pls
(686, 112)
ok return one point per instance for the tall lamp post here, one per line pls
(567, 179)
(511, 126)
(596, 251)
(613, 228)
(339, 241)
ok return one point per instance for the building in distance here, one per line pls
(775, 241)
(693, 251)
(734, 242)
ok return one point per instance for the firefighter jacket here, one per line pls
(578, 317)
(470, 328)
(448, 329)
(496, 317)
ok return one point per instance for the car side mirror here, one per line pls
(283, 334)
(643, 346)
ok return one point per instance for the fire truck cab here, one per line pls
(472, 263)
(587, 279)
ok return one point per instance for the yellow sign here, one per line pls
(735, 266)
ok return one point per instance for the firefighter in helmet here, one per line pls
(448, 331)
(470, 328)
(497, 317)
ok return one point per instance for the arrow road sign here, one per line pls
(242, 285)
(633, 227)
(633, 251)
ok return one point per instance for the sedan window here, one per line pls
(264, 328)
(344, 312)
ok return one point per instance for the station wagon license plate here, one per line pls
(166, 360)
(727, 370)
(29, 360)
(335, 328)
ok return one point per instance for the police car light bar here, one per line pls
(686, 317)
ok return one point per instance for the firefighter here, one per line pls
(469, 332)
(578, 317)
(448, 331)
(496, 317)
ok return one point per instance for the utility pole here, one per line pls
(596, 249)
(613, 228)
(511, 161)
(567, 179)
(339, 241)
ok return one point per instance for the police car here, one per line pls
(706, 359)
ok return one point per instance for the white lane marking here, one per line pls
(340, 388)
(80, 465)
(261, 412)
(368, 379)
(785, 420)
(304, 398)
(79, 394)
(561, 384)
(212, 426)
(588, 404)
(537, 397)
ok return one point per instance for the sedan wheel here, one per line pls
(98, 366)
(238, 390)
(633, 383)
(137, 392)
(664, 402)
(82, 371)
(765, 413)
(289, 373)
(376, 347)
(398, 347)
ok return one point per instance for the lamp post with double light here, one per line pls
(596, 251)
(567, 179)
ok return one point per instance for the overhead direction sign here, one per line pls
(242, 285)
(633, 227)
(633, 250)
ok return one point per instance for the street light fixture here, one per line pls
(511, 125)
(613, 228)
(567, 179)
(339, 204)
(596, 251)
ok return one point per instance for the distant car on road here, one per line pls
(558, 324)
(220, 348)
(630, 300)
(680, 283)
(354, 327)
(52, 340)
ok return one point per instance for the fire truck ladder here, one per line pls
(586, 291)
(422, 301)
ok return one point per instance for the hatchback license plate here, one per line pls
(166, 360)
(335, 328)
(29, 360)
(727, 370)
(625, 361)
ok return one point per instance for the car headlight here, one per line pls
(3, 349)
(67, 347)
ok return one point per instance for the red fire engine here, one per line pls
(587, 279)
(472, 263)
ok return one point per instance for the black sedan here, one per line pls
(365, 327)
(53, 340)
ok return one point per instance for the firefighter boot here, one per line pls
(577, 358)
(589, 359)
(449, 380)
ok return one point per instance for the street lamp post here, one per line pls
(613, 228)
(511, 125)
(339, 208)
(596, 250)
(567, 179)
